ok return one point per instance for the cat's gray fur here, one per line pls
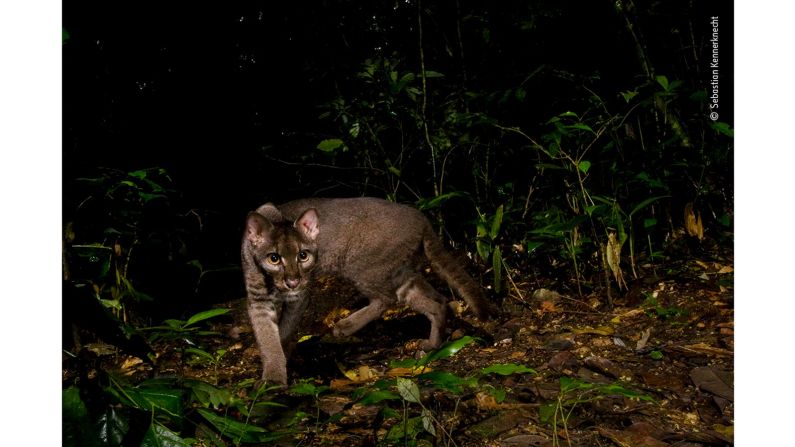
(377, 245)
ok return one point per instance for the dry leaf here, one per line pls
(693, 223)
(613, 253)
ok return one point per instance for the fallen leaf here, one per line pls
(715, 381)
(707, 349)
(601, 330)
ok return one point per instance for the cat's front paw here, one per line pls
(343, 328)
(430, 344)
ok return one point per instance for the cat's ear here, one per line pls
(258, 228)
(270, 212)
(307, 224)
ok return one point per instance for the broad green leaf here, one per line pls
(377, 396)
(394, 170)
(448, 381)
(582, 126)
(648, 223)
(401, 432)
(498, 394)
(201, 353)
(629, 95)
(584, 166)
(507, 369)
(427, 422)
(568, 114)
(723, 128)
(616, 388)
(408, 390)
(433, 74)
(205, 315)
(307, 389)
(496, 223)
(160, 436)
(354, 130)
(112, 427)
(330, 145)
(76, 424)
(446, 350)
(663, 81)
(207, 394)
(483, 249)
(656, 355)
(405, 363)
(568, 384)
(547, 411)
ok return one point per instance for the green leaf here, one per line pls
(330, 145)
(394, 170)
(568, 384)
(446, 350)
(648, 223)
(496, 262)
(507, 369)
(656, 355)
(200, 353)
(532, 246)
(64, 35)
(377, 396)
(629, 95)
(496, 223)
(160, 436)
(306, 388)
(76, 424)
(547, 411)
(448, 381)
(205, 315)
(237, 430)
(112, 427)
(427, 422)
(663, 81)
(723, 128)
(408, 390)
(584, 166)
(426, 204)
(616, 388)
(207, 394)
(433, 74)
(483, 249)
(582, 126)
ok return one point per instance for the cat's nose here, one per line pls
(292, 283)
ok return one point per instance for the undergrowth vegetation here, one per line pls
(590, 171)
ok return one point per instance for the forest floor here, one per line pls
(655, 369)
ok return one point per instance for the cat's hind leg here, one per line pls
(423, 298)
(379, 302)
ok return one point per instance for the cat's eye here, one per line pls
(273, 259)
(303, 256)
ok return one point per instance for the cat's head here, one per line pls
(287, 251)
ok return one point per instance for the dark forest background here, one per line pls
(529, 131)
(565, 145)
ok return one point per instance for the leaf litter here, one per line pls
(655, 370)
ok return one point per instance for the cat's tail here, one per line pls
(449, 269)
